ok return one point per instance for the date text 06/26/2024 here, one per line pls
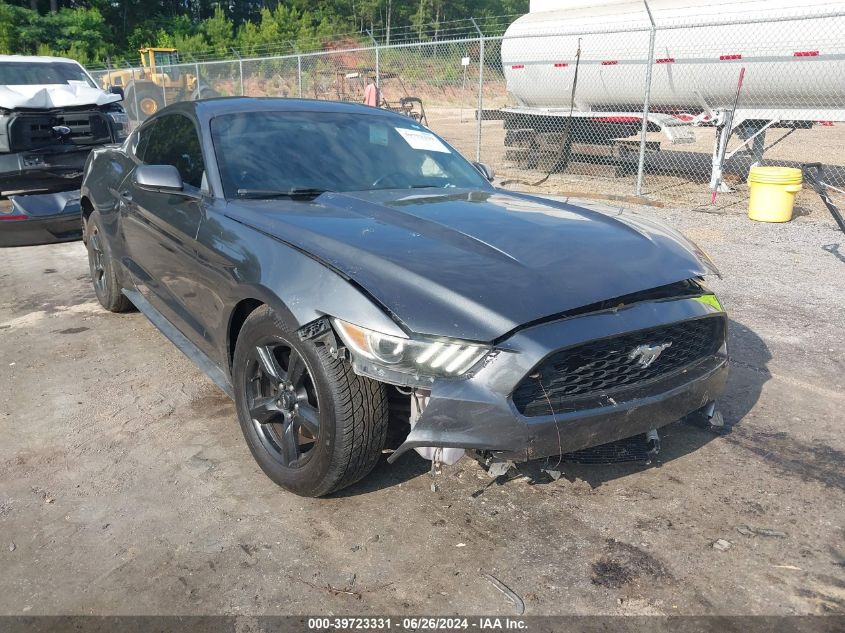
(416, 624)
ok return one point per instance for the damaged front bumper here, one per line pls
(56, 168)
(479, 413)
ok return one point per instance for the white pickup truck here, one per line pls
(52, 114)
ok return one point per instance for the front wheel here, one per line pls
(312, 424)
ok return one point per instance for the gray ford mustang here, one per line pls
(339, 270)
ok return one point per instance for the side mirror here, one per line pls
(117, 90)
(485, 170)
(160, 178)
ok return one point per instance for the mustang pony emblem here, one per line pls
(645, 355)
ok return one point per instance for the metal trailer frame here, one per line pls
(678, 131)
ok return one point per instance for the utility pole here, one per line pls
(387, 34)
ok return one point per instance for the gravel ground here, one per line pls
(126, 487)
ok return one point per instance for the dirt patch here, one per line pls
(810, 461)
(71, 330)
(211, 402)
(623, 563)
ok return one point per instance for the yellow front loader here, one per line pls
(161, 80)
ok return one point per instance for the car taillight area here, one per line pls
(616, 369)
(29, 131)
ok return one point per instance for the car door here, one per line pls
(160, 229)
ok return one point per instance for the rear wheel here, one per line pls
(100, 263)
(312, 424)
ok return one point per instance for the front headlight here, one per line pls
(408, 361)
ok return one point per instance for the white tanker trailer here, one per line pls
(793, 54)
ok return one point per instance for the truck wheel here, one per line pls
(312, 424)
(100, 263)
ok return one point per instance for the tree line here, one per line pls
(97, 31)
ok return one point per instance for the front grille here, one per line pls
(33, 131)
(602, 372)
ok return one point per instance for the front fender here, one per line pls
(241, 263)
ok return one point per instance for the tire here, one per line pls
(143, 101)
(129, 102)
(204, 92)
(313, 425)
(101, 265)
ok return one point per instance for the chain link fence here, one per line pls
(613, 105)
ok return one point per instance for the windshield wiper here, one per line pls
(413, 187)
(295, 192)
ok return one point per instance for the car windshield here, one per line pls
(42, 73)
(259, 153)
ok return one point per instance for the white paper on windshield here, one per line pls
(422, 140)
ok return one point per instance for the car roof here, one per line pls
(209, 108)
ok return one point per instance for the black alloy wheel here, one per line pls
(96, 263)
(283, 403)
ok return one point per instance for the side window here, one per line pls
(142, 140)
(174, 141)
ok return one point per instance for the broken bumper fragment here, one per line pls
(580, 382)
(41, 219)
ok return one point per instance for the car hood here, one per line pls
(49, 96)
(476, 264)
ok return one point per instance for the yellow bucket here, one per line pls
(773, 192)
